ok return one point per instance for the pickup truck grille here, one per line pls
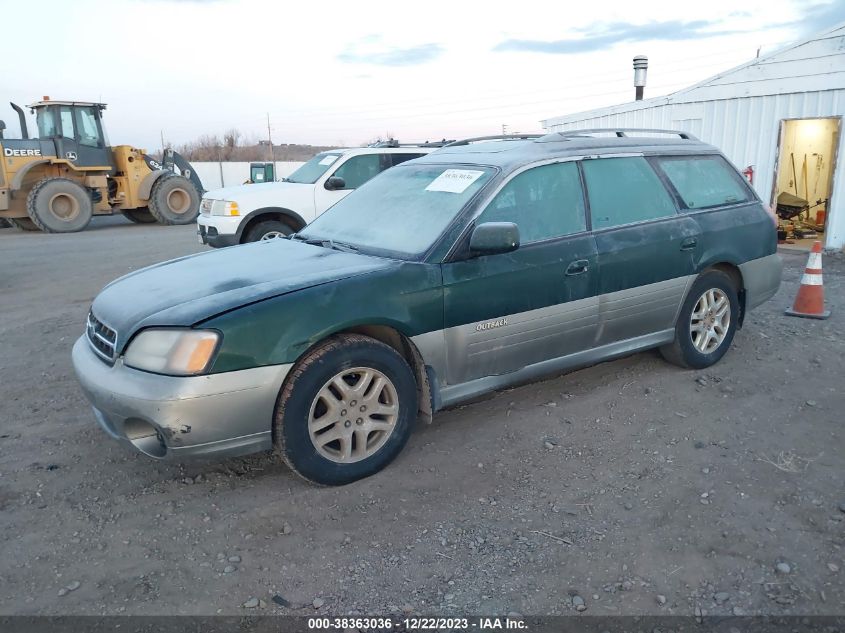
(101, 337)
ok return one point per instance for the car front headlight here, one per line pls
(225, 207)
(172, 352)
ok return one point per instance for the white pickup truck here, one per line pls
(249, 213)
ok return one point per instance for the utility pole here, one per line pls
(162, 145)
(272, 149)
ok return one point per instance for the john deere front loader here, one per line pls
(59, 180)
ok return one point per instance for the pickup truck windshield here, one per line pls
(403, 210)
(308, 173)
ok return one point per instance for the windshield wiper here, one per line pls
(326, 243)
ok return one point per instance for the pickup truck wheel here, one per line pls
(706, 324)
(346, 410)
(267, 230)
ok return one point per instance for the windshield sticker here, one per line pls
(454, 180)
(328, 160)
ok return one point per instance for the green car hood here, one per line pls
(185, 291)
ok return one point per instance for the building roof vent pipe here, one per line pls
(640, 72)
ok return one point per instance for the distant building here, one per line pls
(780, 115)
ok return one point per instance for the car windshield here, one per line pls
(402, 211)
(308, 173)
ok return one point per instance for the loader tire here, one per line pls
(174, 200)
(24, 224)
(59, 205)
(141, 215)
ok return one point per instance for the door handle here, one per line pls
(689, 244)
(578, 267)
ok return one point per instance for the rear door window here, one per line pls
(544, 202)
(623, 191)
(704, 181)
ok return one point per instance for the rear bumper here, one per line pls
(761, 279)
(168, 417)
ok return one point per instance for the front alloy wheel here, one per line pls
(353, 415)
(346, 410)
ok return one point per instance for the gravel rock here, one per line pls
(234, 559)
(577, 601)
(833, 567)
(73, 586)
(318, 602)
(286, 528)
(661, 599)
(842, 507)
(228, 569)
(721, 597)
(783, 568)
(252, 603)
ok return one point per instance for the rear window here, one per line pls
(704, 181)
(624, 191)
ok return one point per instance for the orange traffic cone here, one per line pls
(809, 302)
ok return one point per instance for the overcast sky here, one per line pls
(346, 72)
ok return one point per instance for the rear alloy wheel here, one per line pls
(268, 230)
(59, 205)
(174, 200)
(707, 322)
(346, 410)
(141, 215)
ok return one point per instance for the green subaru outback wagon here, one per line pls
(478, 266)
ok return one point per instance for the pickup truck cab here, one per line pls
(264, 211)
(476, 267)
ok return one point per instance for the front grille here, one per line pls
(101, 337)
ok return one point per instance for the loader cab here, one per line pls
(76, 128)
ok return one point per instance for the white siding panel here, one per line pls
(746, 129)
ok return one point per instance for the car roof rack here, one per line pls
(495, 137)
(622, 132)
(392, 142)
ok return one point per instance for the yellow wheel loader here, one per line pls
(69, 173)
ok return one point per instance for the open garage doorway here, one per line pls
(805, 171)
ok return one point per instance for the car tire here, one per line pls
(174, 200)
(59, 205)
(369, 394)
(706, 323)
(267, 230)
(141, 215)
(24, 224)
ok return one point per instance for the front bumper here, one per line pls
(168, 417)
(218, 231)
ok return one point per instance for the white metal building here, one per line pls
(780, 114)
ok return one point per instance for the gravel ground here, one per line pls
(631, 487)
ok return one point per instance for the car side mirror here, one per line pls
(491, 238)
(335, 182)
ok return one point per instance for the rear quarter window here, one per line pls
(703, 182)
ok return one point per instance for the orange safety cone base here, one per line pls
(822, 315)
